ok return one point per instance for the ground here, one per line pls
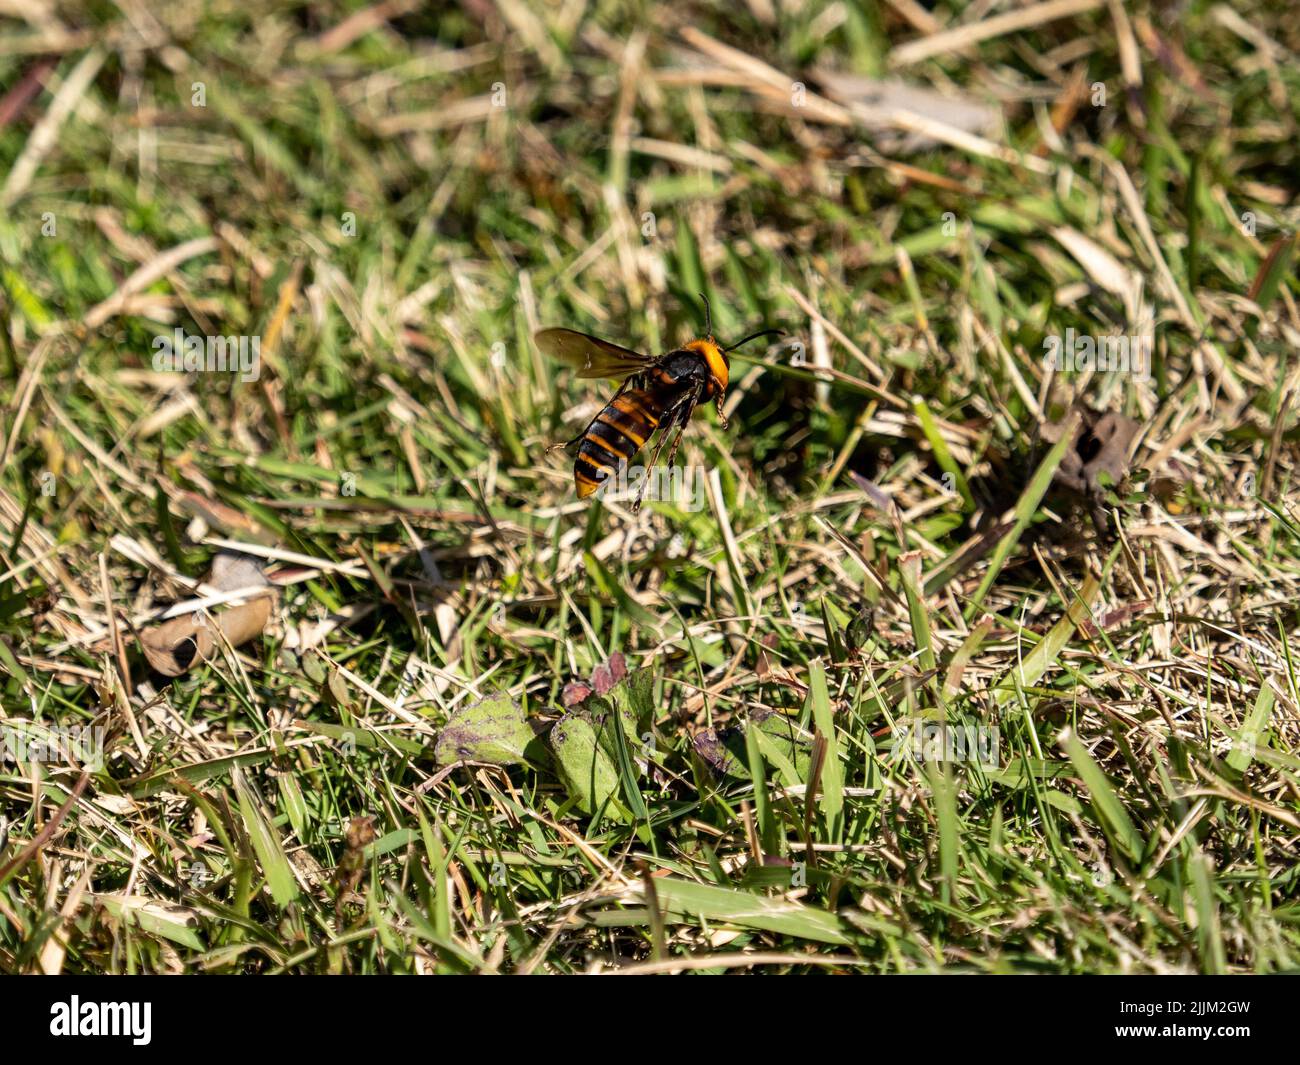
(930, 667)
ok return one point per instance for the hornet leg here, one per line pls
(675, 419)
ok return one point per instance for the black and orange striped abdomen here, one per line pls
(617, 434)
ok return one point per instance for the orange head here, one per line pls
(716, 360)
(715, 355)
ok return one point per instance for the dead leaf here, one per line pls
(1101, 446)
(224, 519)
(1112, 619)
(359, 834)
(176, 646)
(874, 102)
(1100, 265)
(1109, 273)
(172, 921)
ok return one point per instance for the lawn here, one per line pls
(966, 646)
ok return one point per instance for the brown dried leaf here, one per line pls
(176, 646)
(359, 834)
(1101, 445)
(223, 518)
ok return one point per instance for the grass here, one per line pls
(393, 205)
